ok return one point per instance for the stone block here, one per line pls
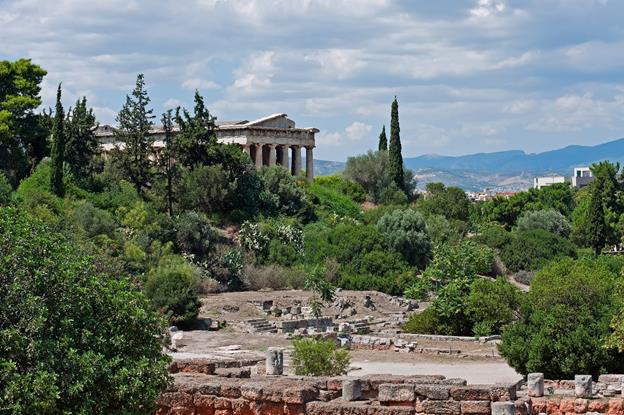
(503, 392)
(389, 392)
(583, 386)
(471, 393)
(435, 392)
(175, 399)
(442, 407)
(503, 408)
(351, 389)
(475, 407)
(535, 384)
(275, 361)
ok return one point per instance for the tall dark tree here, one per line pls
(396, 158)
(383, 141)
(197, 133)
(597, 226)
(82, 145)
(58, 147)
(134, 121)
(23, 133)
(167, 159)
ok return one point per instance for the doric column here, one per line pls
(272, 155)
(296, 161)
(285, 157)
(246, 149)
(309, 164)
(258, 160)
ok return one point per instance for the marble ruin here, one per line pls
(269, 141)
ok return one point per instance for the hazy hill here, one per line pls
(502, 170)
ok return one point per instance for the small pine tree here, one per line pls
(82, 144)
(383, 141)
(58, 148)
(197, 133)
(597, 226)
(135, 120)
(396, 158)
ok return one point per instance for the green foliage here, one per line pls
(340, 184)
(372, 172)
(197, 135)
(23, 134)
(82, 145)
(491, 305)
(405, 232)
(134, 121)
(93, 221)
(319, 358)
(506, 211)
(171, 288)
(494, 236)
(6, 190)
(194, 235)
(206, 189)
(281, 195)
(442, 231)
(450, 202)
(322, 290)
(565, 323)
(58, 148)
(425, 322)
(71, 341)
(465, 259)
(273, 241)
(383, 140)
(530, 250)
(549, 220)
(394, 149)
(333, 202)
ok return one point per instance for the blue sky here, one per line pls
(470, 75)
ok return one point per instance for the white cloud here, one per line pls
(355, 132)
(198, 83)
(173, 103)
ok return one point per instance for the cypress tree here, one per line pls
(597, 226)
(58, 148)
(197, 134)
(396, 159)
(82, 145)
(167, 159)
(383, 141)
(135, 120)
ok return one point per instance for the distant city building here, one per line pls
(267, 140)
(540, 182)
(488, 194)
(582, 177)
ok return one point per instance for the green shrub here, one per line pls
(564, 322)
(491, 305)
(339, 184)
(549, 220)
(494, 236)
(282, 195)
(442, 231)
(450, 202)
(393, 284)
(72, 340)
(93, 221)
(452, 261)
(319, 358)
(171, 288)
(6, 190)
(425, 322)
(405, 232)
(332, 202)
(531, 250)
(194, 235)
(206, 189)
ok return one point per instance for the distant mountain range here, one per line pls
(502, 170)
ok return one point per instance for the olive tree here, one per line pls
(71, 341)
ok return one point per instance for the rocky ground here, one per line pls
(477, 361)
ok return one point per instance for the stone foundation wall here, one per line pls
(320, 324)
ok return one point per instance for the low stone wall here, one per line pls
(399, 344)
(319, 324)
(202, 394)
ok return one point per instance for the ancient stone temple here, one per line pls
(271, 140)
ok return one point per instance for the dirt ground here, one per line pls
(478, 362)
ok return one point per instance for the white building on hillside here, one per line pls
(540, 182)
(582, 177)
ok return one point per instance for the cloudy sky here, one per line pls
(470, 75)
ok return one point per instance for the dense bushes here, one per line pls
(331, 201)
(565, 322)
(319, 358)
(405, 232)
(171, 288)
(549, 220)
(530, 250)
(71, 340)
(5, 190)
